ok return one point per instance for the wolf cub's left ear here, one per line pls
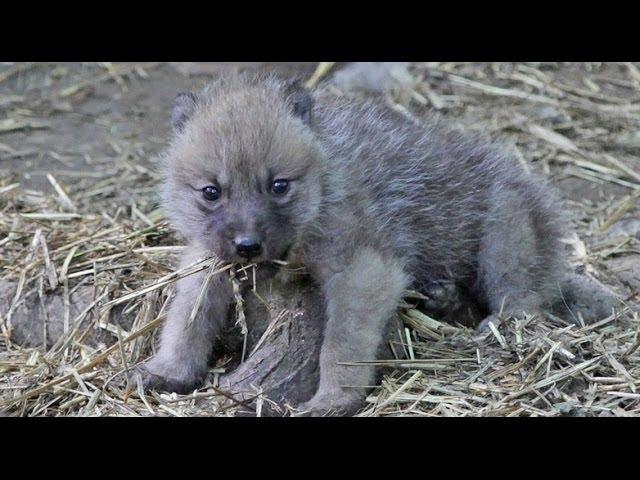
(183, 107)
(300, 100)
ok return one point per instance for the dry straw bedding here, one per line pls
(73, 236)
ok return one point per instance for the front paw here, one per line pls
(159, 377)
(330, 405)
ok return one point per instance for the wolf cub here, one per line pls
(370, 203)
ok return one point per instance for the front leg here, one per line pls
(361, 300)
(181, 361)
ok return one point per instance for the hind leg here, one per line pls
(519, 255)
(581, 296)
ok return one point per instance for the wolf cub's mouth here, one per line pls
(261, 259)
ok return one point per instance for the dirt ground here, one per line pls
(577, 124)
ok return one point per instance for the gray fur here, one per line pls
(377, 204)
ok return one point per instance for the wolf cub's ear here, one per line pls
(183, 107)
(300, 100)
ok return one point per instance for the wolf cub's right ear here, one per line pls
(183, 107)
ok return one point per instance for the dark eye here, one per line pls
(280, 187)
(211, 193)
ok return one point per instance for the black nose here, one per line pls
(248, 247)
